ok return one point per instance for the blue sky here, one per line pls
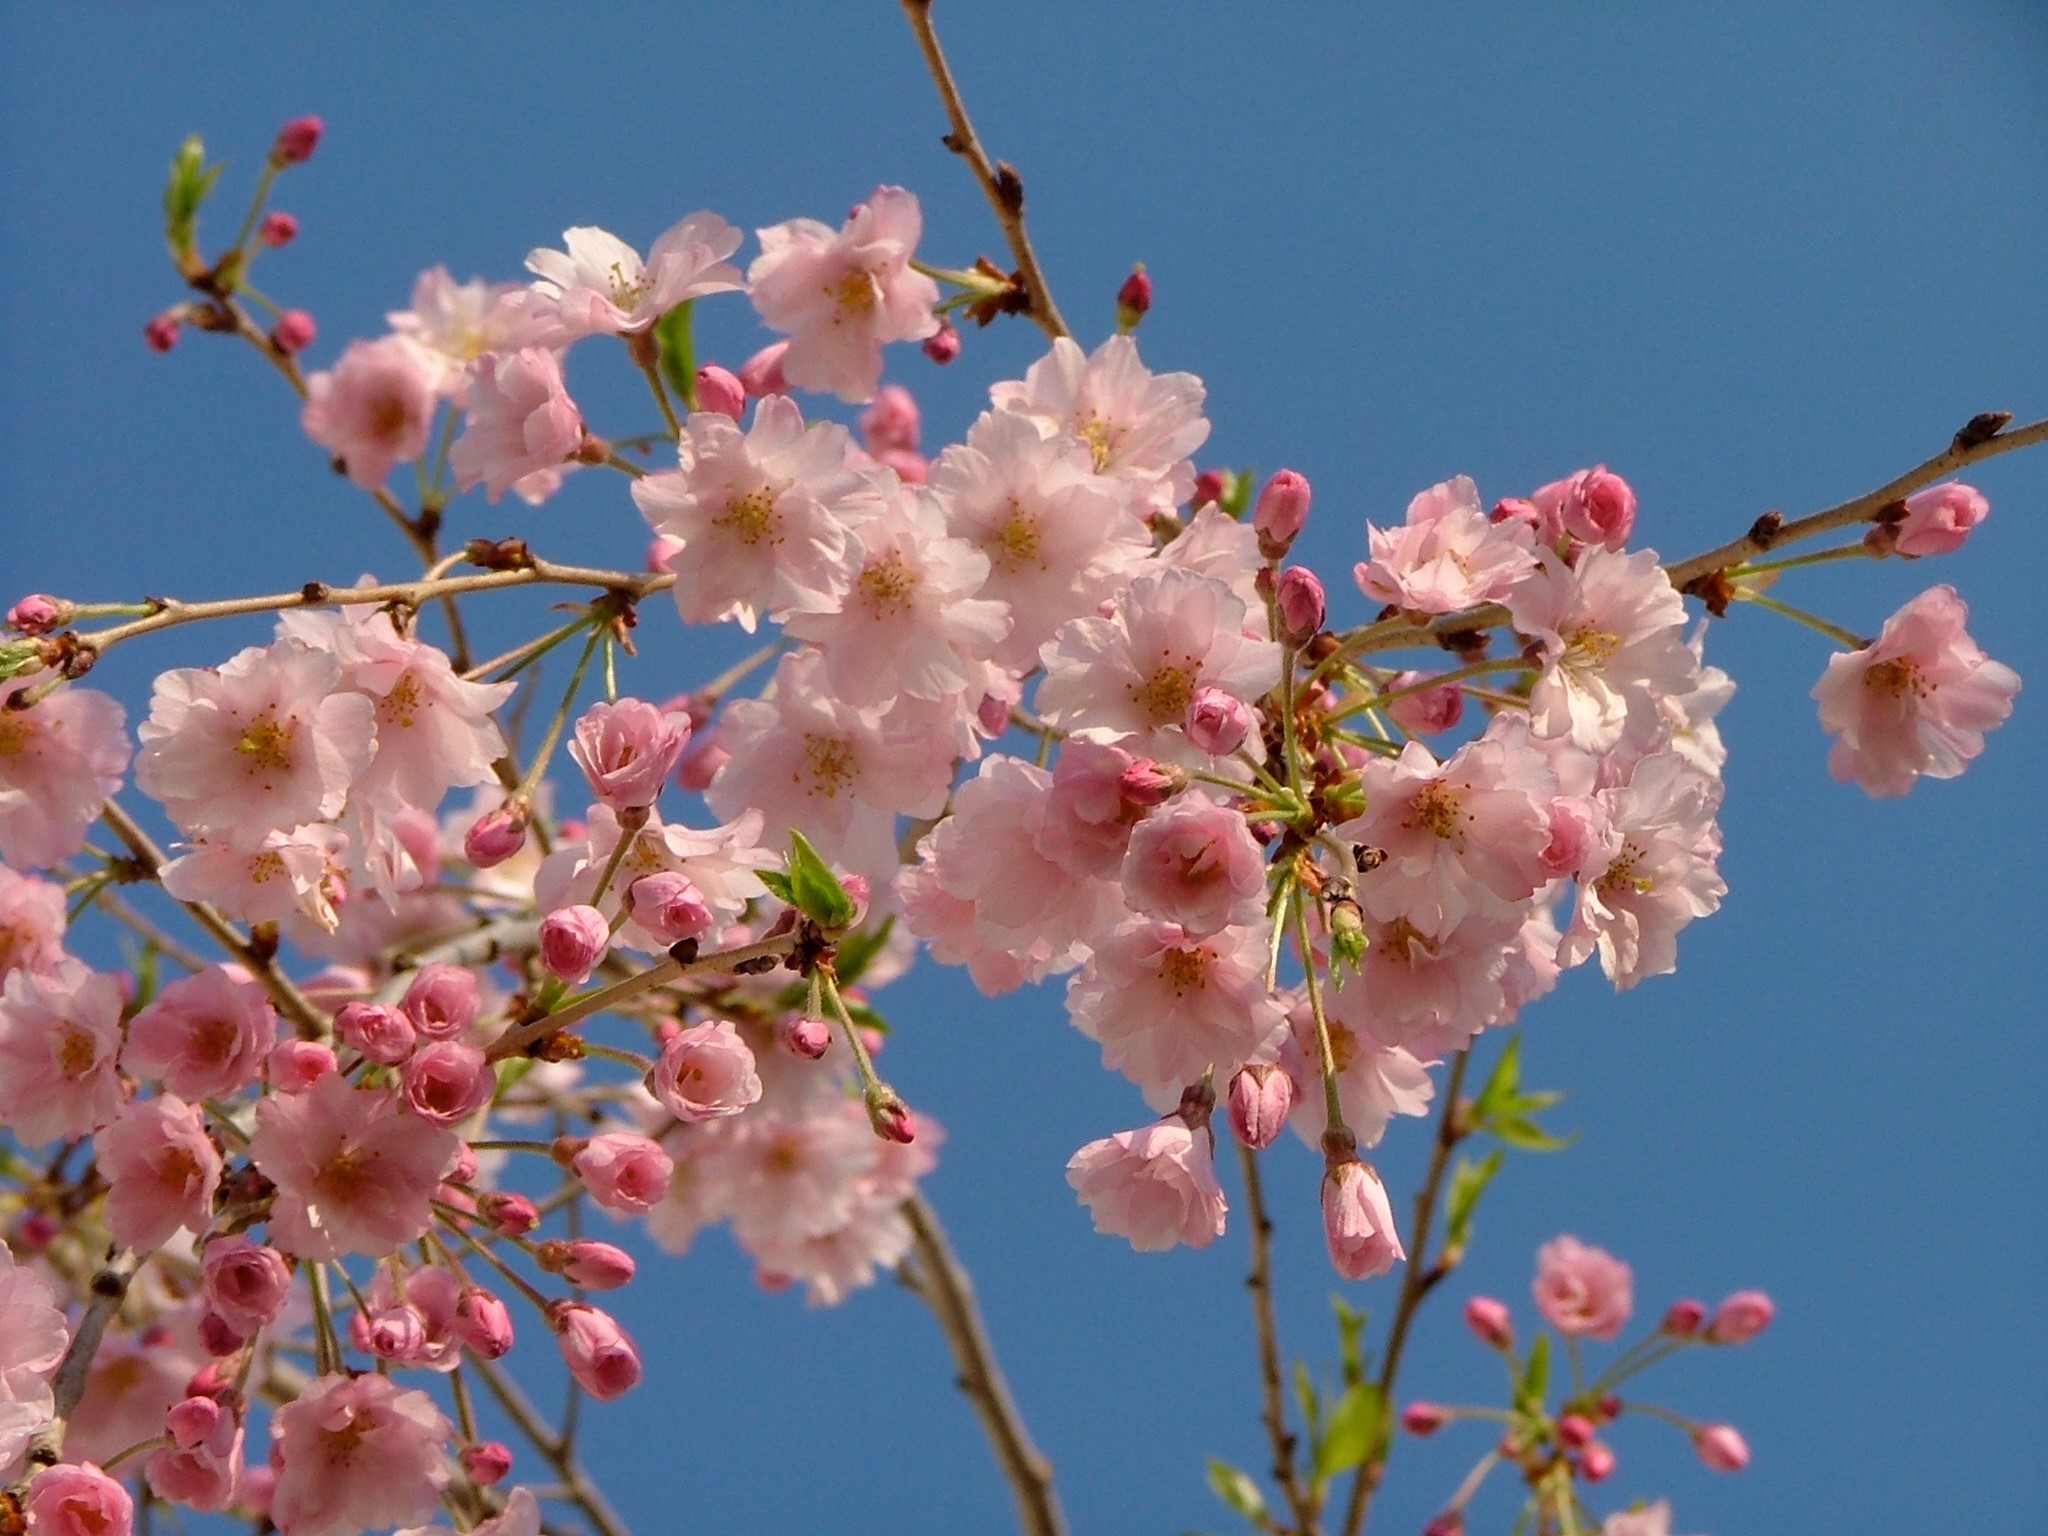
(1749, 255)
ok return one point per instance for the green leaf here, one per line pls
(778, 885)
(190, 180)
(1502, 1083)
(1525, 1135)
(1237, 1490)
(1468, 1182)
(1350, 1325)
(857, 950)
(813, 889)
(678, 355)
(1535, 1376)
(1311, 1403)
(1353, 1432)
(1239, 497)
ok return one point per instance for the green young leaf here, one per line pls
(18, 657)
(857, 950)
(1236, 1489)
(813, 889)
(678, 355)
(1311, 1402)
(1525, 1135)
(1353, 1432)
(1239, 497)
(1468, 1182)
(190, 180)
(1502, 1083)
(1535, 1382)
(778, 885)
(1350, 1325)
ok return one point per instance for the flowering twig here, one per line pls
(1260, 1283)
(580, 1490)
(109, 1289)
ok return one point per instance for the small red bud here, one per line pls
(486, 1462)
(296, 141)
(1574, 1430)
(943, 345)
(162, 332)
(277, 230)
(1133, 299)
(1682, 1319)
(1211, 485)
(1596, 1462)
(1424, 1418)
(807, 1037)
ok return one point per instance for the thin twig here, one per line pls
(1260, 1283)
(109, 1289)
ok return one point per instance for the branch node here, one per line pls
(1763, 533)
(1981, 428)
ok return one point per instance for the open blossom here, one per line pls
(598, 283)
(841, 295)
(31, 922)
(1054, 531)
(1662, 876)
(1167, 1006)
(161, 1171)
(626, 750)
(373, 408)
(77, 1499)
(456, 323)
(1135, 673)
(1612, 631)
(203, 1036)
(1375, 1082)
(353, 1174)
(265, 742)
(760, 515)
(60, 759)
(720, 864)
(705, 1072)
(355, 1453)
(1649, 1520)
(1582, 1289)
(1446, 556)
(1429, 992)
(1940, 518)
(624, 1173)
(521, 421)
(1139, 426)
(1155, 1186)
(33, 1337)
(1358, 1223)
(521, 1517)
(246, 1283)
(60, 1034)
(281, 876)
(1915, 701)
(1195, 862)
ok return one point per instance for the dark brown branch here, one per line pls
(1273, 1412)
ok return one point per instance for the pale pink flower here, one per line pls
(893, 422)
(1217, 545)
(1427, 711)
(705, 1072)
(1648, 1520)
(1595, 506)
(353, 1453)
(1167, 1006)
(1260, 1100)
(1662, 877)
(1740, 1318)
(721, 864)
(456, 323)
(1090, 812)
(1139, 426)
(760, 516)
(77, 1499)
(800, 1173)
(1916, 701)
(626, 750)
(1135, 673)
(1195, 862)
(161, 1171)
(840, 296)
(1155, 1186)
(447, 1081)
(373, 408)
(203, 1036)
(33, 1338)
(1612, 632)
(1054, 532)
(520, 421)
(203, 1467)
(1358, 1223)
(31, 923)
(1447, 556)
(60, 759)
(245, 1283)
(1582, 1289)
(834, 1263)
(600, 284)
(521, 1517)
(624, 1172)
(282, 876)
(60, 1034)
(1375, 1082)
(1428, 992)
(353, 1174)
(130, 1388)
(1940, 518)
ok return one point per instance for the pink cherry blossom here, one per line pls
(1259, 1101)
(840, 296)
(78, 1499)
(600, 284)
(705, 1072)
(1582, 1289)
(60, 1033)
(281, 877)
(625, 1173)
(33, 1337)
(1375, 1082)
(720, 864)
(246, 1283)
(1090, 813)
(1281, 512)
(338, 1429)
(521, 1515)
(1594, 506)
(599, 1353)
(1358, 1222)
(1940, 518)
(1217, 545)
(456, 323)
(135, 1378)
(202, 1468)
(1428, 992)
(31, 923)
(1916, 701)
(447, 1081)
(161, 1171)
(203, 1036)
(1648, 1520)
(892, 422)
(760, 515)
(1740, 1318)
(442, 1000)
(572, 941)
(626, 750)
(353, 1174)
(1427, 711)
(60, 759)
(1446, 556)
(1195, 862)
(1154, 1187)
(374, 408)
(521, 421)
(1139, 426)
(1167, 1006)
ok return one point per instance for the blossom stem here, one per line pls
(879, 1095)
(1856, 551)
(652, 371)
(520, 657)
(538, 766)
(1326, 1052)
(451, 1220)
(1459, 674)
(1834, 632)
(1260, 1283)
(154, 1442)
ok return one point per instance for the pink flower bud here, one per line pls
(626, 751)
(762, 373)
(448, 1081)
(594, 1266)
(1133, 299)
(1298, 599)
(893, 1121)
(572, 941)
(893, 422)
(720, 390)
(442, 1001)
(1450, 1522)
(1427, 711)
(1542, 518)
(1260, 1099)
(1490, 1322)
(1682, 1319)
(191, 1420)
(1596, 1462)
(484, 1324)
(1599, 507)
(375, 1032)
(294, 331)
(1211, 486)
(277, 230)
(624, 1171)
(36, 1231)
(1145, 784)
(669, 906)
(487, 1462)
(464, 1170)
(297, 1064)
(807, 1037)
(943, 345)
(78, 1499)
(511, 1215)
(390, 1333)
(246, 1283)
(296, 141)
(1280, 513)
(1424, 1418)
(161, 333)
(1721, 1447)
(599, 1353)
(38, 614)
(496, 836)
(1940, 518)
(1609, 1406)
(217, 1336)
(1217, 723)
(1741, 1318)
(1574, 1431)
(1358, 1223)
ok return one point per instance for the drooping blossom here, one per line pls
(1139, 426)
(1940, 518)
(599, 1353)
(60, 759)
(1260, 1099)
(353, 1174)
(841, 295)
(77, 1499)
(447, 1081)
(705, 1072)
(283, 875)
(626, 750)
(373, 409)
(353, 1453)
(1155, 1186)
(521, 421)
(598, 283)
(31, 922)
(1916, 702)
(203, 1036)
(1194, 862)
(1447, 555)
(1582, 1289)
(720, 863)
(60, 1035)
(572, 940)
(1358, 1222)
(161, 1171)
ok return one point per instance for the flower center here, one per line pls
(265, 867)
(1165, 694)
(750, 517)
(1894, 678)
(344, 1176)
(389, 416)
(1590, 647)
(77, 1051)
(1185, 970)
(267, 744)
(213, 1042)
(857, 293)
(889, 585)
(400, 705)
(1437, 809)
(1621, 875)
(1016, 544)
(628, 291)
(1102, 439)
(828, 760)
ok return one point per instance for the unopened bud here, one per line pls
(1298, 598)
(36, 1231)
(1133, 299)
(1682, 1319)
(1596, 1462)
(217, 1336)
(484, 1324)
(296, 141)
(943, 345)
(294, 332)
(298, 1064)
(277, 230)
(1574, 1430)
(1145, 784)
(572, 941)
(594, 1266)
(807, 1037)
(1217, 723)
(669, 906)
(487, 1462)
(1490, 1322)
(1424, 1418)
(762, 373)
(1449, 1523)
(1721, 1447)
(376, 1032)
(1427, 711)
(496, 836)
(1741, 1318)
(191, 1420)
(1347, 931)
(720, 390)
(38, 614)
(509, 1215)
(162, 332)
(1260, 1099)
(1281, 512)
(893, 1121)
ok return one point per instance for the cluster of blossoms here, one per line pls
(1050, 701)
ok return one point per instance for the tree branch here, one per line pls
(1260, 1283)
(109, 1289)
